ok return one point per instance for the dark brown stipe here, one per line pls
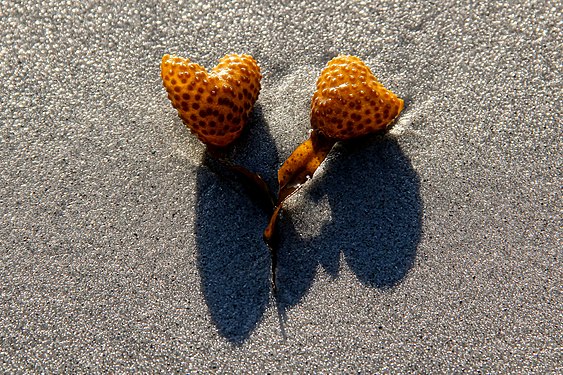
(293, 174)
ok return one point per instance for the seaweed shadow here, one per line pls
(233, 261)
(376, 219)
(375, 222)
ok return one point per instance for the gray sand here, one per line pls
(433, 249)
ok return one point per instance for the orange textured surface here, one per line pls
(350, 102)
(215, 106)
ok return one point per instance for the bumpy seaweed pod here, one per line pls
(350, 102)
(215, 106)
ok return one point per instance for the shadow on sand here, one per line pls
(233, 261)
(373, 193)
